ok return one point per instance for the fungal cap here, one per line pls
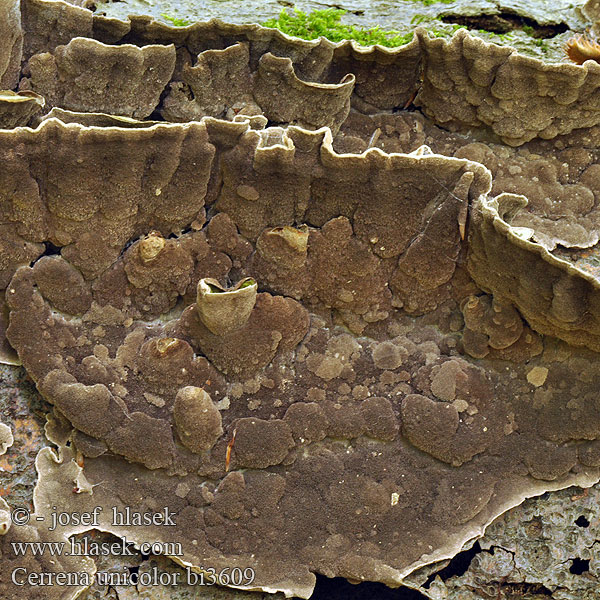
(223, 310)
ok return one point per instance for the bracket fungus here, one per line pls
(78, 75)
(410, 345)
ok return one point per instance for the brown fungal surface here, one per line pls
(326, 335)
(11, 48)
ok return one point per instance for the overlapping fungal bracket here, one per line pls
(554, 295)
(289, 312)
(462, 84)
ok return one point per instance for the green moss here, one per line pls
(327, 23)
(496, 37)
(420, 18)
(175, 20)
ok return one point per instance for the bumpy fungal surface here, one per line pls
(317, 331)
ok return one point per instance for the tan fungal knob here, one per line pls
(223, 310)
(197, 419)
(284, 245)
(167, 345)
(151, 246)
(294, 238)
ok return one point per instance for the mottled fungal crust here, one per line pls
(75, 198)
(8, 356)
(275, 324)
(314, 327)
(48, 24)
(220, 80)
(286, 99)
(493, 327)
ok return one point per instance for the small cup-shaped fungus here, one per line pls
(197, 419)
(223, 310)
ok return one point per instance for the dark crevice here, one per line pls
(457, 566)
(338, 588)
(156, 114)
(538, 588)
(357, 11)
(51, 250)
(506, 22)
(579, 566)
(183, 231)
(582, 522)
(510, 591)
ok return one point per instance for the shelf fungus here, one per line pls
(309, 331)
